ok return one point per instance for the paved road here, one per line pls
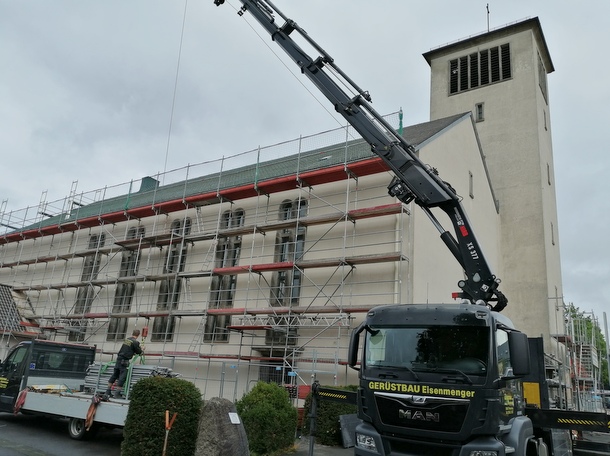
(319, 450)
(24, 435)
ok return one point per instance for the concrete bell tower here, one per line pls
(501, 77)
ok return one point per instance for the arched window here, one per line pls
(222, 291)
(170, 288)
(286, 283)
(86, 293)
(125, 291)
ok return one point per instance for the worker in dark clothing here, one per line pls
(130, 347)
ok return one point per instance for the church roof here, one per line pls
(205, 189)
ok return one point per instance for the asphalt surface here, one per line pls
(303, 449)
(35, 436)
(24, 435)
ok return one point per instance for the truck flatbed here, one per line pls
(75, 406)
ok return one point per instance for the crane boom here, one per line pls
(413, 181)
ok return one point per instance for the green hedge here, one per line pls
(269, 418)
(328, 428)
(144, 433)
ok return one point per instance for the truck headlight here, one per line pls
(366, 442)
(483, 453)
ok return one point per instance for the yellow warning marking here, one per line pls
(340, 396)
(581, 422)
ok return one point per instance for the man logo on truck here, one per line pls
(418, 415)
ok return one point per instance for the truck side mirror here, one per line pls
(354, 342)
(519, 353)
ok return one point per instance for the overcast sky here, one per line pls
(87, 92)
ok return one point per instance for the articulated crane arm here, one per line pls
(413, 181)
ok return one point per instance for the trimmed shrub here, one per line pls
(269, 418)
(144, 433)
(328, 427)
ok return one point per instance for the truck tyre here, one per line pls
(76, 429)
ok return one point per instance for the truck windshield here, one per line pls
(462, 348)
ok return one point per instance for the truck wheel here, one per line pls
(76, 428)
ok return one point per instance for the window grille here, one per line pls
(480, 68)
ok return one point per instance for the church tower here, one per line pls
(501, 77)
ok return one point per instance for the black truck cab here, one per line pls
(440, 373)
(42, 363)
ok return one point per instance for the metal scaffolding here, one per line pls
(586, 366)
(256, 269)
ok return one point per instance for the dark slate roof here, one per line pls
(9, 316)
(337, 154)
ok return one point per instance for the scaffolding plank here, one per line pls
(303, 264)
(249, 327)
(148, 314)
(376, 211)
(9, 264)
(296, 310)
(233, 270)
(306, 310)
(228, 311)
(353, 260)
(375, 258)
(170, 238)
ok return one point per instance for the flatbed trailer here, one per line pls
(60, 379)
(50, 378)
(77, 407)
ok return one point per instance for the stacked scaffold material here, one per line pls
(98, 375)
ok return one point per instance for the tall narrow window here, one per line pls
(463, 73)
(474, 70)
(494, 56)
(453, 76)
(86, 293)
(286, 284)
(545, 125)
(484, 63)
(125, 290)
(170, 288)
(542, 78)
(505, 62)
(222, 293)
(479, 112)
